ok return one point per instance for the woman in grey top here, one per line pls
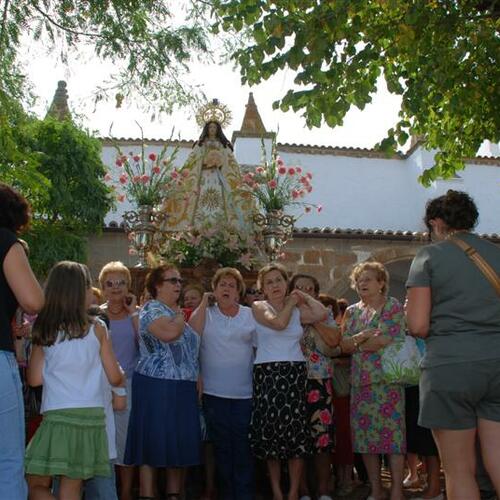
(456, 309)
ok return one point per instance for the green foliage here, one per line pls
(51, 243)
(77, 198)
(441, 56)
(148, 45)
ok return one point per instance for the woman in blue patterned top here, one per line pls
(164, 427)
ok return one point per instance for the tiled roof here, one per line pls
(348, 233)
(299, 148)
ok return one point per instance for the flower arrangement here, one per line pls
(224, 244)
(144, 178)
(276, 186)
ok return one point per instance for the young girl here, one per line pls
(68, 357)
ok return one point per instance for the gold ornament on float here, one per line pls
(214, 111)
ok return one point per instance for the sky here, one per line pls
(361, 128)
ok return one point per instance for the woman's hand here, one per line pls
(375, 342)
(299, 296)
(130, 303)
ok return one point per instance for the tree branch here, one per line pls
(63, 28)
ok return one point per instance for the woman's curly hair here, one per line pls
(456, 208)
(14, 209)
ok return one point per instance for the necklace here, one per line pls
(115, 312)
(453, 232)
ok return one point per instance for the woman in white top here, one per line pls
(226, 358)
(278, 429)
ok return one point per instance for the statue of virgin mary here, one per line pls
(211, 181)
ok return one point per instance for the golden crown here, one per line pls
(214, 111)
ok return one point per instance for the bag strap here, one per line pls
(488, 272)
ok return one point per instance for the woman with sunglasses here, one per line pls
(164, 429)
(121, 309)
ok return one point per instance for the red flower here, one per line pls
(145, 178)
(119, 162)
(295, 194)
(291, 171)
(136, 179)
(309, 175)
(156, 169)
(123, 178)
(314, 357)
(259, 170)
(174, 174)
(136, 158)
(272, 184)
(299, 170)
(325, 416)
(323, 441)
(313, 396)
(279, 162)
(152, 156)
(282, 170)
(319, 208)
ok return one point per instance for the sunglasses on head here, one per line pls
(173, 281)
(111, 283)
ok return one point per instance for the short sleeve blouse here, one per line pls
(175, 360)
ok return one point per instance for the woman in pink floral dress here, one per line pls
(377, 408)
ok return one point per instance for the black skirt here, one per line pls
(279, 428)
(419, 440)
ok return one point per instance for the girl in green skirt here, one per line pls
(68, 357)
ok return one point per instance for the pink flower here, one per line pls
(272, 184)
(325, 416)
(136, 158)
(323, 441)
(123, 178)
(304, 180)
(282, 170)
(120, 198)
(313, 396)
(295, 194)
(136, 179)
(309, 175)
(260, 170)
(291, 171)
(119, 162)
(145, 178)
(156, 169)
(319, 208)
(299, 170)
(152, 156)
(107, 177)
(279, 162)
(386, 409)
(309, 189)
(364, 422)
(248, 179)
(174, 174)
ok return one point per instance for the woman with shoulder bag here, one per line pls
(453, 302)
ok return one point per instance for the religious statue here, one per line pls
(211, 180)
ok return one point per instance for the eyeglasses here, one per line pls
(173, 281)
(112, 283)
(306, 289)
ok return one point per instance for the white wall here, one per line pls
(365, 193)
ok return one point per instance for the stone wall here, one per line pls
(328, 258)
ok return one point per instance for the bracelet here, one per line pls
(134, 314)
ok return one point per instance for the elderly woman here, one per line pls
(377, 408)
(278, 429)
(122, 311)
(18, 287)
(455, 308)
(164, 428)
(318, 345)
(226, 357)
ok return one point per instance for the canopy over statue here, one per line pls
(212, 180)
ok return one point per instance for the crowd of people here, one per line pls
(271, 383)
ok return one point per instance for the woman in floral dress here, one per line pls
(377, 408)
